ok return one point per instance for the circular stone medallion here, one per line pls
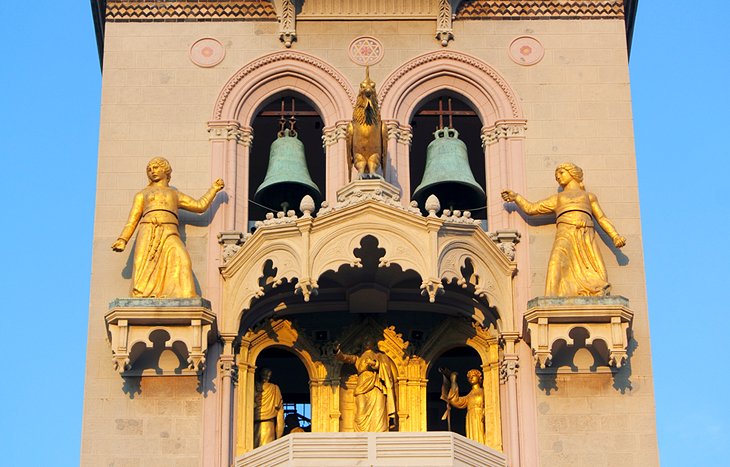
(207, 52)
(526, 50)
(365, 50)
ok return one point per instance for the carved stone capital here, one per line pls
(401, 133)
(230, 131)
(334, 133)
(231, 241)
(508, 368)
(502, 130)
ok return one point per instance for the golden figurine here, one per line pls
(162, 267)
(472, 402)
(576, 266)
(375, 390)
(367, 136)
(268, 410)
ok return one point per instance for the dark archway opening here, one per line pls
(288, 372)
(431, 115)
(460, 360)
(266, 126)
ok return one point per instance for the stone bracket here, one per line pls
(604, 318)
(189, 321)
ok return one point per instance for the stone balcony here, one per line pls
(394, 449)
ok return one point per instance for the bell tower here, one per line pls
(410, 245)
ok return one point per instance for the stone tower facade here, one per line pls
(528, 84)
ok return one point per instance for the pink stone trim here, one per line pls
(463, 73)
(329, 89)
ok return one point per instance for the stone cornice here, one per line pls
(564, 9)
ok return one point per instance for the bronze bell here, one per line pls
(448, 175)
(287, 179)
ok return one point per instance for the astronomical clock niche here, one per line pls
(367, 233)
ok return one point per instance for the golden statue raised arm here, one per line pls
(472, 402)
(162, 267)
(375, 390)
(576, 266)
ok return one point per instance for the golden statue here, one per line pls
(375, 390)
(268, 410)
(576, 266)
(472, 402)
(162, 267)
(367, 136)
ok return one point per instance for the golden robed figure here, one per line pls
(375, 391)
(576, 266)
(472, 402)
(268, 410)
(162, 267)
(367, 136)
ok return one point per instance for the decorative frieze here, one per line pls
(154, 10)
(564, 9)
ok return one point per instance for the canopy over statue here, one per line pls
(576, 266)
(162, 266)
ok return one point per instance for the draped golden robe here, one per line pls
(268, 414)
(474, 405)
(576, 267)
(374, 393)
(162, 266)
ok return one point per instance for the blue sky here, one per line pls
(49, 110)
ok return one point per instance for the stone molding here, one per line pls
(230, 131)
(450, 58)
(378, 449)
(402, 133)
(319, 72)
(563, 9)
(550, 319)
(133, 320)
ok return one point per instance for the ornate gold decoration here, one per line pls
(576, 266)
(473, 402)
(375, 390)
(367, 134)
(153, 10)
(499, 9)
(162, 266)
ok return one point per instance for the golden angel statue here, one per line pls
(375, 390)
(268, 410)
(162, 267)
(576, 266)
(472, 402)
(367, 136)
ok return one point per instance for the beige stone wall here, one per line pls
(155, 101)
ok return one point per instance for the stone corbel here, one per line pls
(231, 242)
(133, 320)
(604, 318)
(446, 12)
(286, 13)
(503, 129)
(507, 241)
